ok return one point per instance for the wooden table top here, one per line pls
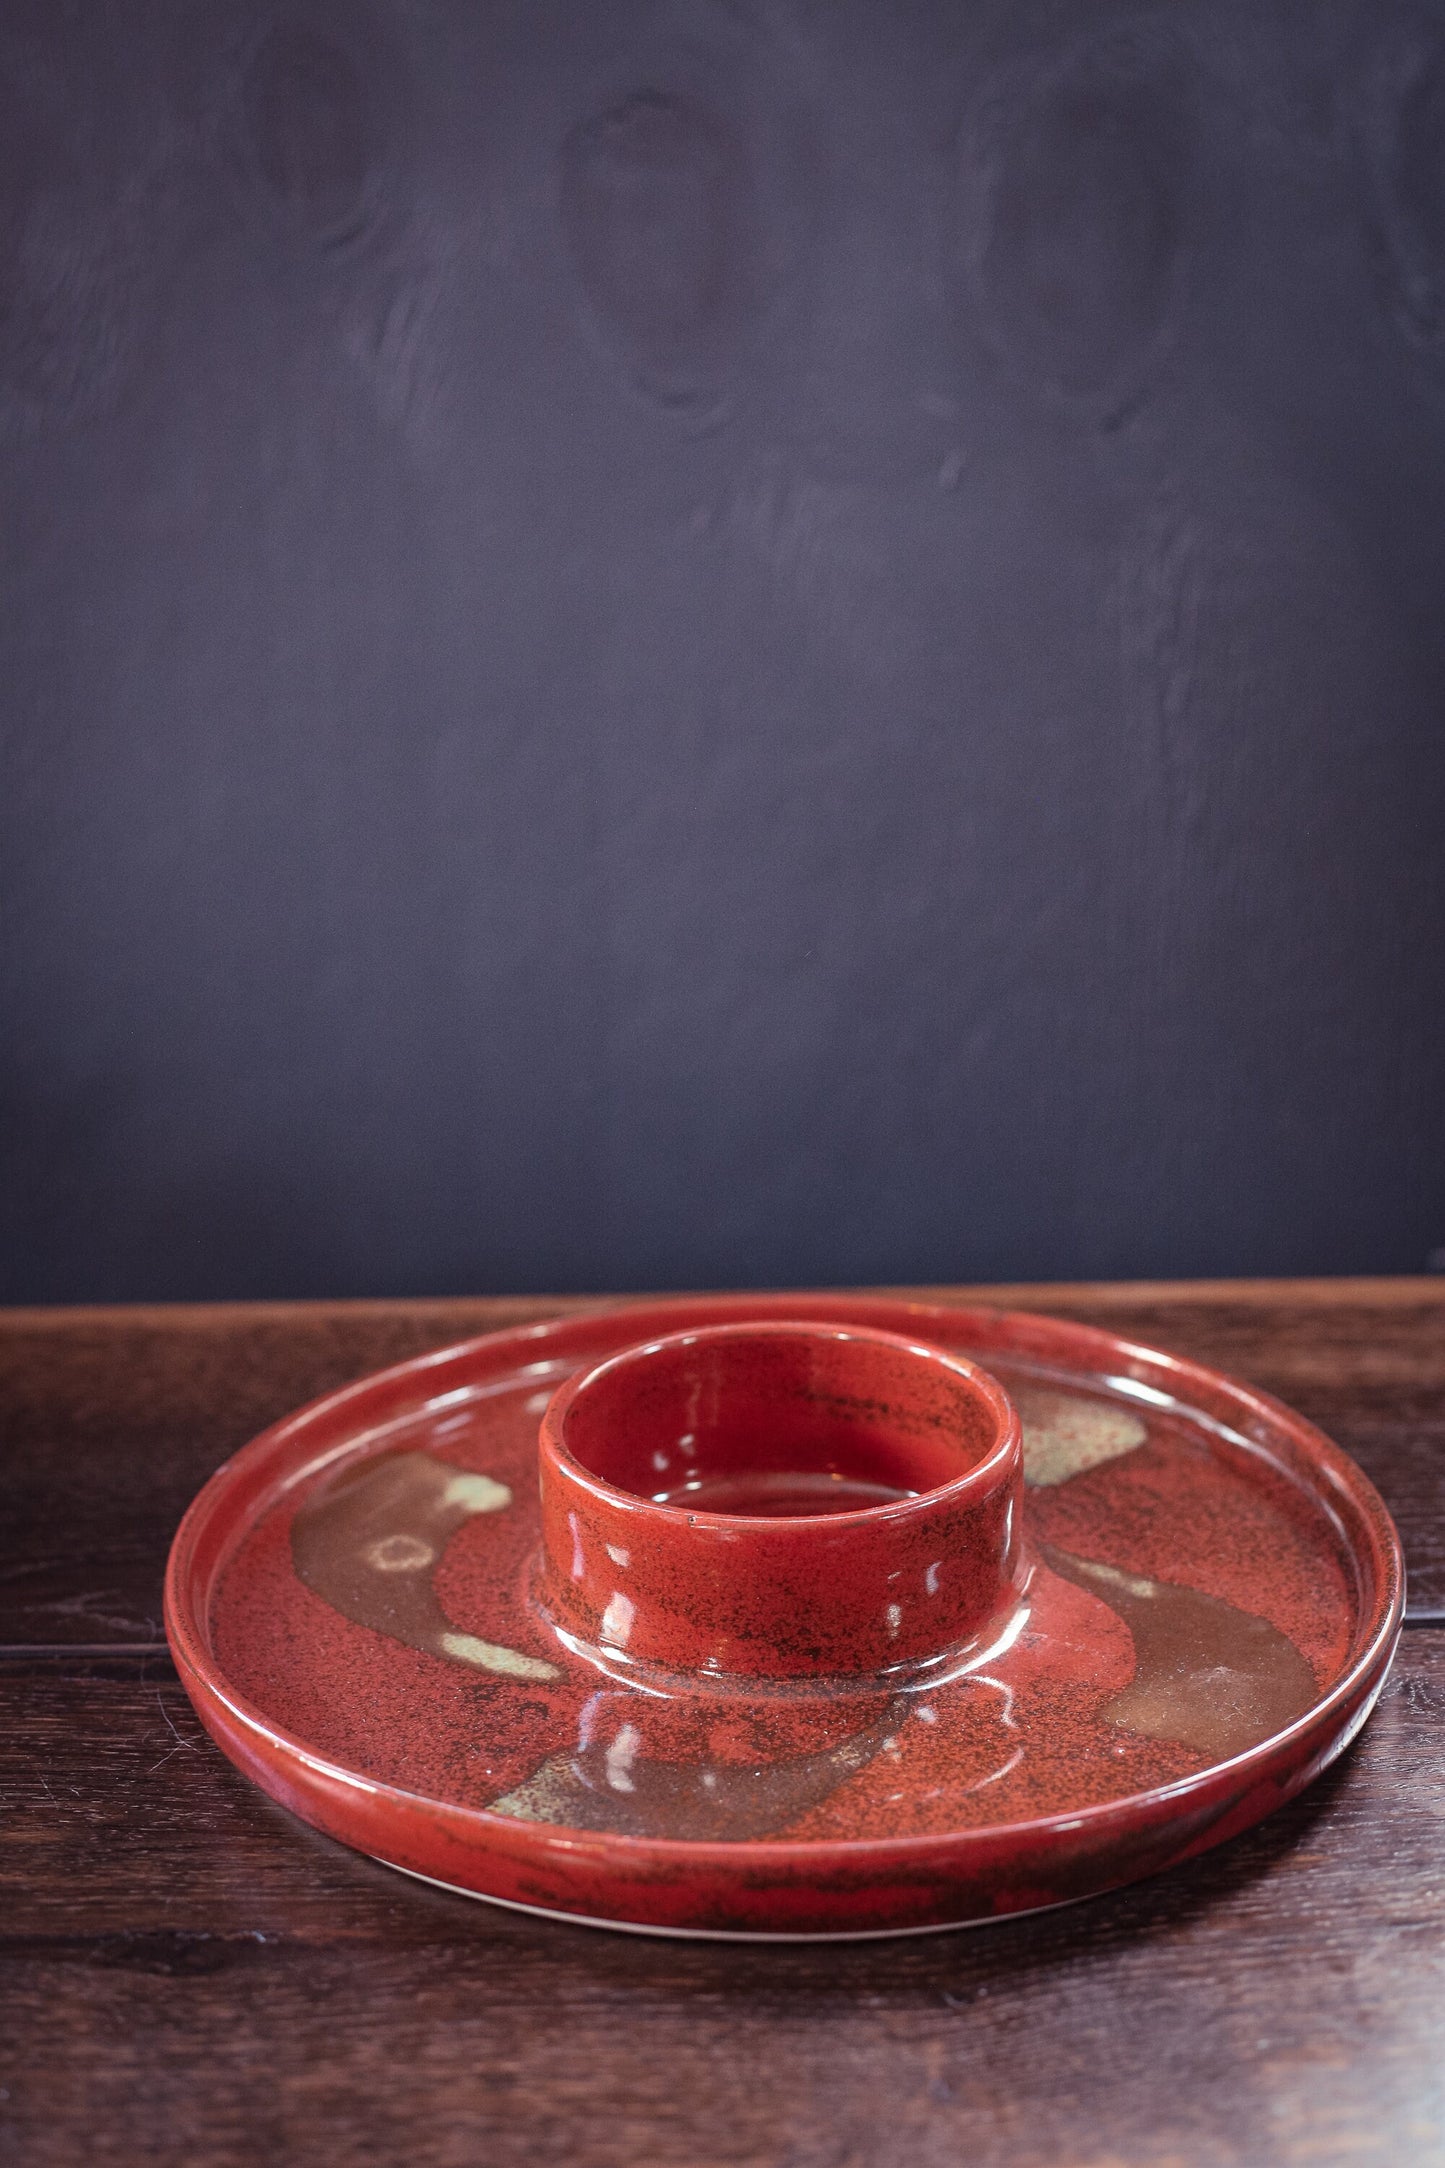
(187, 1975)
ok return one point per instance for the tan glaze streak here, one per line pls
(368, 1543)
(1205, 1674)
(608, 1786)
(1064, 1433)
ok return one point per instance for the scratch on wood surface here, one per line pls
(182, 1746)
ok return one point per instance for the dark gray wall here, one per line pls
(706, 643)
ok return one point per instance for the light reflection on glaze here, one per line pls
(367, 1543)
(1207, 1675)
(611, 1786)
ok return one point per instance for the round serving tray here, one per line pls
(1210, 1602)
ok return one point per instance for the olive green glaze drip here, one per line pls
(1205, 1674)
(367, 1544)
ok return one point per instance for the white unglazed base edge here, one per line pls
(731, 1934)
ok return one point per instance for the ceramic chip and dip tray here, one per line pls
(786, 1616)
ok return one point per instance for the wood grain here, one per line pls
(191, 1977)
(111, 1420)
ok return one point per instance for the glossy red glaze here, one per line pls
(1209, 1597)
(778, 1500)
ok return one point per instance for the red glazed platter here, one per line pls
(786, 1616)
